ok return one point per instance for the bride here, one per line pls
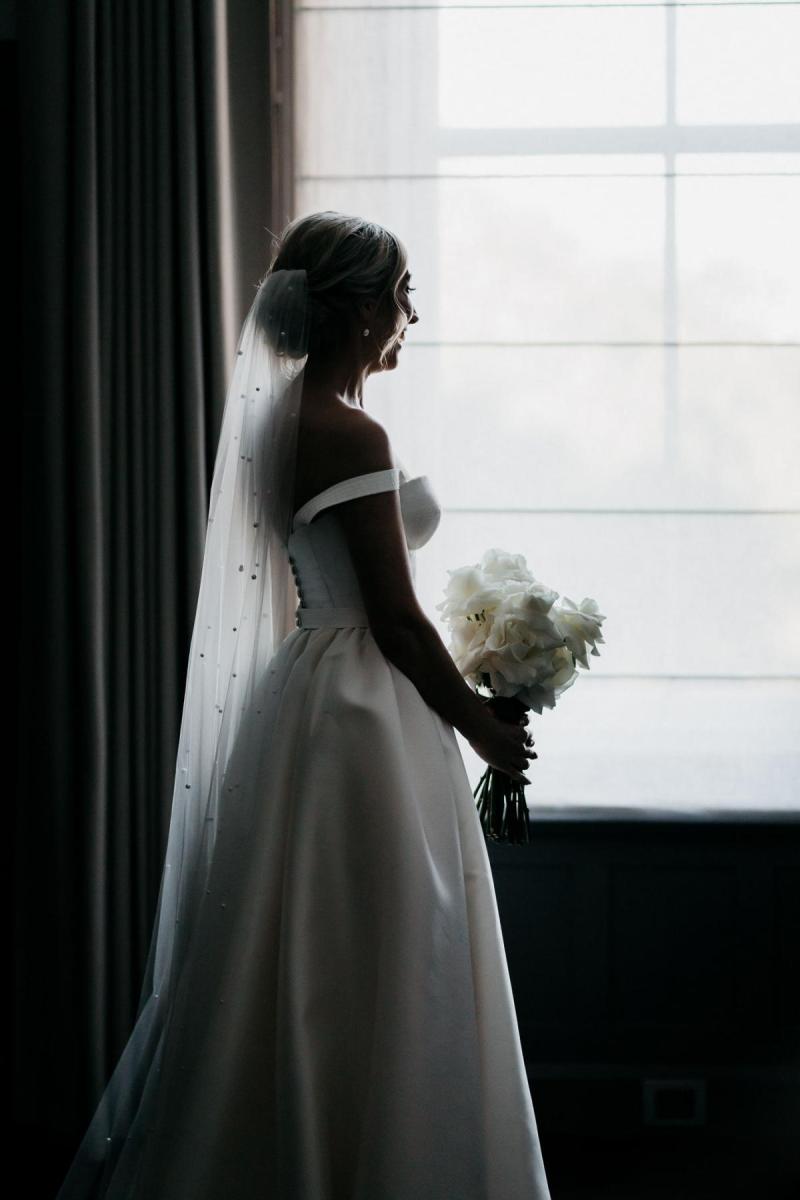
(326, 1012)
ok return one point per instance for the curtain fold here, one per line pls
(147, 170)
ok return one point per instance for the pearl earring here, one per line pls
(366, 331)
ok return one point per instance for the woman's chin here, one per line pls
(392, 359)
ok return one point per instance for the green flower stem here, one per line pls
(501, 807)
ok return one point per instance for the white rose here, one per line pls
(471, 596)
(535, 600)
(506, 626)
(579, 625)
(519, 647)
(463, 583)
(468, 646)
(562, 674)
(500, 565)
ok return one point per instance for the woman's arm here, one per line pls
(374, 530)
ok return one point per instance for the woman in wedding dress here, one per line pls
(327, 1012)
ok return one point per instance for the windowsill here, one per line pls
(778, 1072)
(601, 814)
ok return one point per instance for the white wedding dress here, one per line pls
(345, 1029)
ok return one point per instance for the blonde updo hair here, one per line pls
(346, 259)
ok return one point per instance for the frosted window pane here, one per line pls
(528, 259)
(378, 4)
(424, 4)
(529, 162)
(593, 428)
(648, 745)
(545, 67)
(739, 257)
(738, 63)
(688, 595)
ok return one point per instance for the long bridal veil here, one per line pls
(245, 609)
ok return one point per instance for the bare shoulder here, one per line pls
(356, 442)
(336, 443)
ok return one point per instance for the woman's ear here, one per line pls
(366, 311)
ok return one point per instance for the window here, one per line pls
(600, 206)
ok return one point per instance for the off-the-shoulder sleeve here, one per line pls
(347, 489)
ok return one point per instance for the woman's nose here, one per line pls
(413, 318)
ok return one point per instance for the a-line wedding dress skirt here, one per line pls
(345, 1028)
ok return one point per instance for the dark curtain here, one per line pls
(151, 170)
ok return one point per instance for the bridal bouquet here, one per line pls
(510, 636)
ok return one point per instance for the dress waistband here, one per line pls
(342, 618)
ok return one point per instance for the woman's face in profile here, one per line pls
(399, 321)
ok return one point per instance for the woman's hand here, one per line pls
(505, 745)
